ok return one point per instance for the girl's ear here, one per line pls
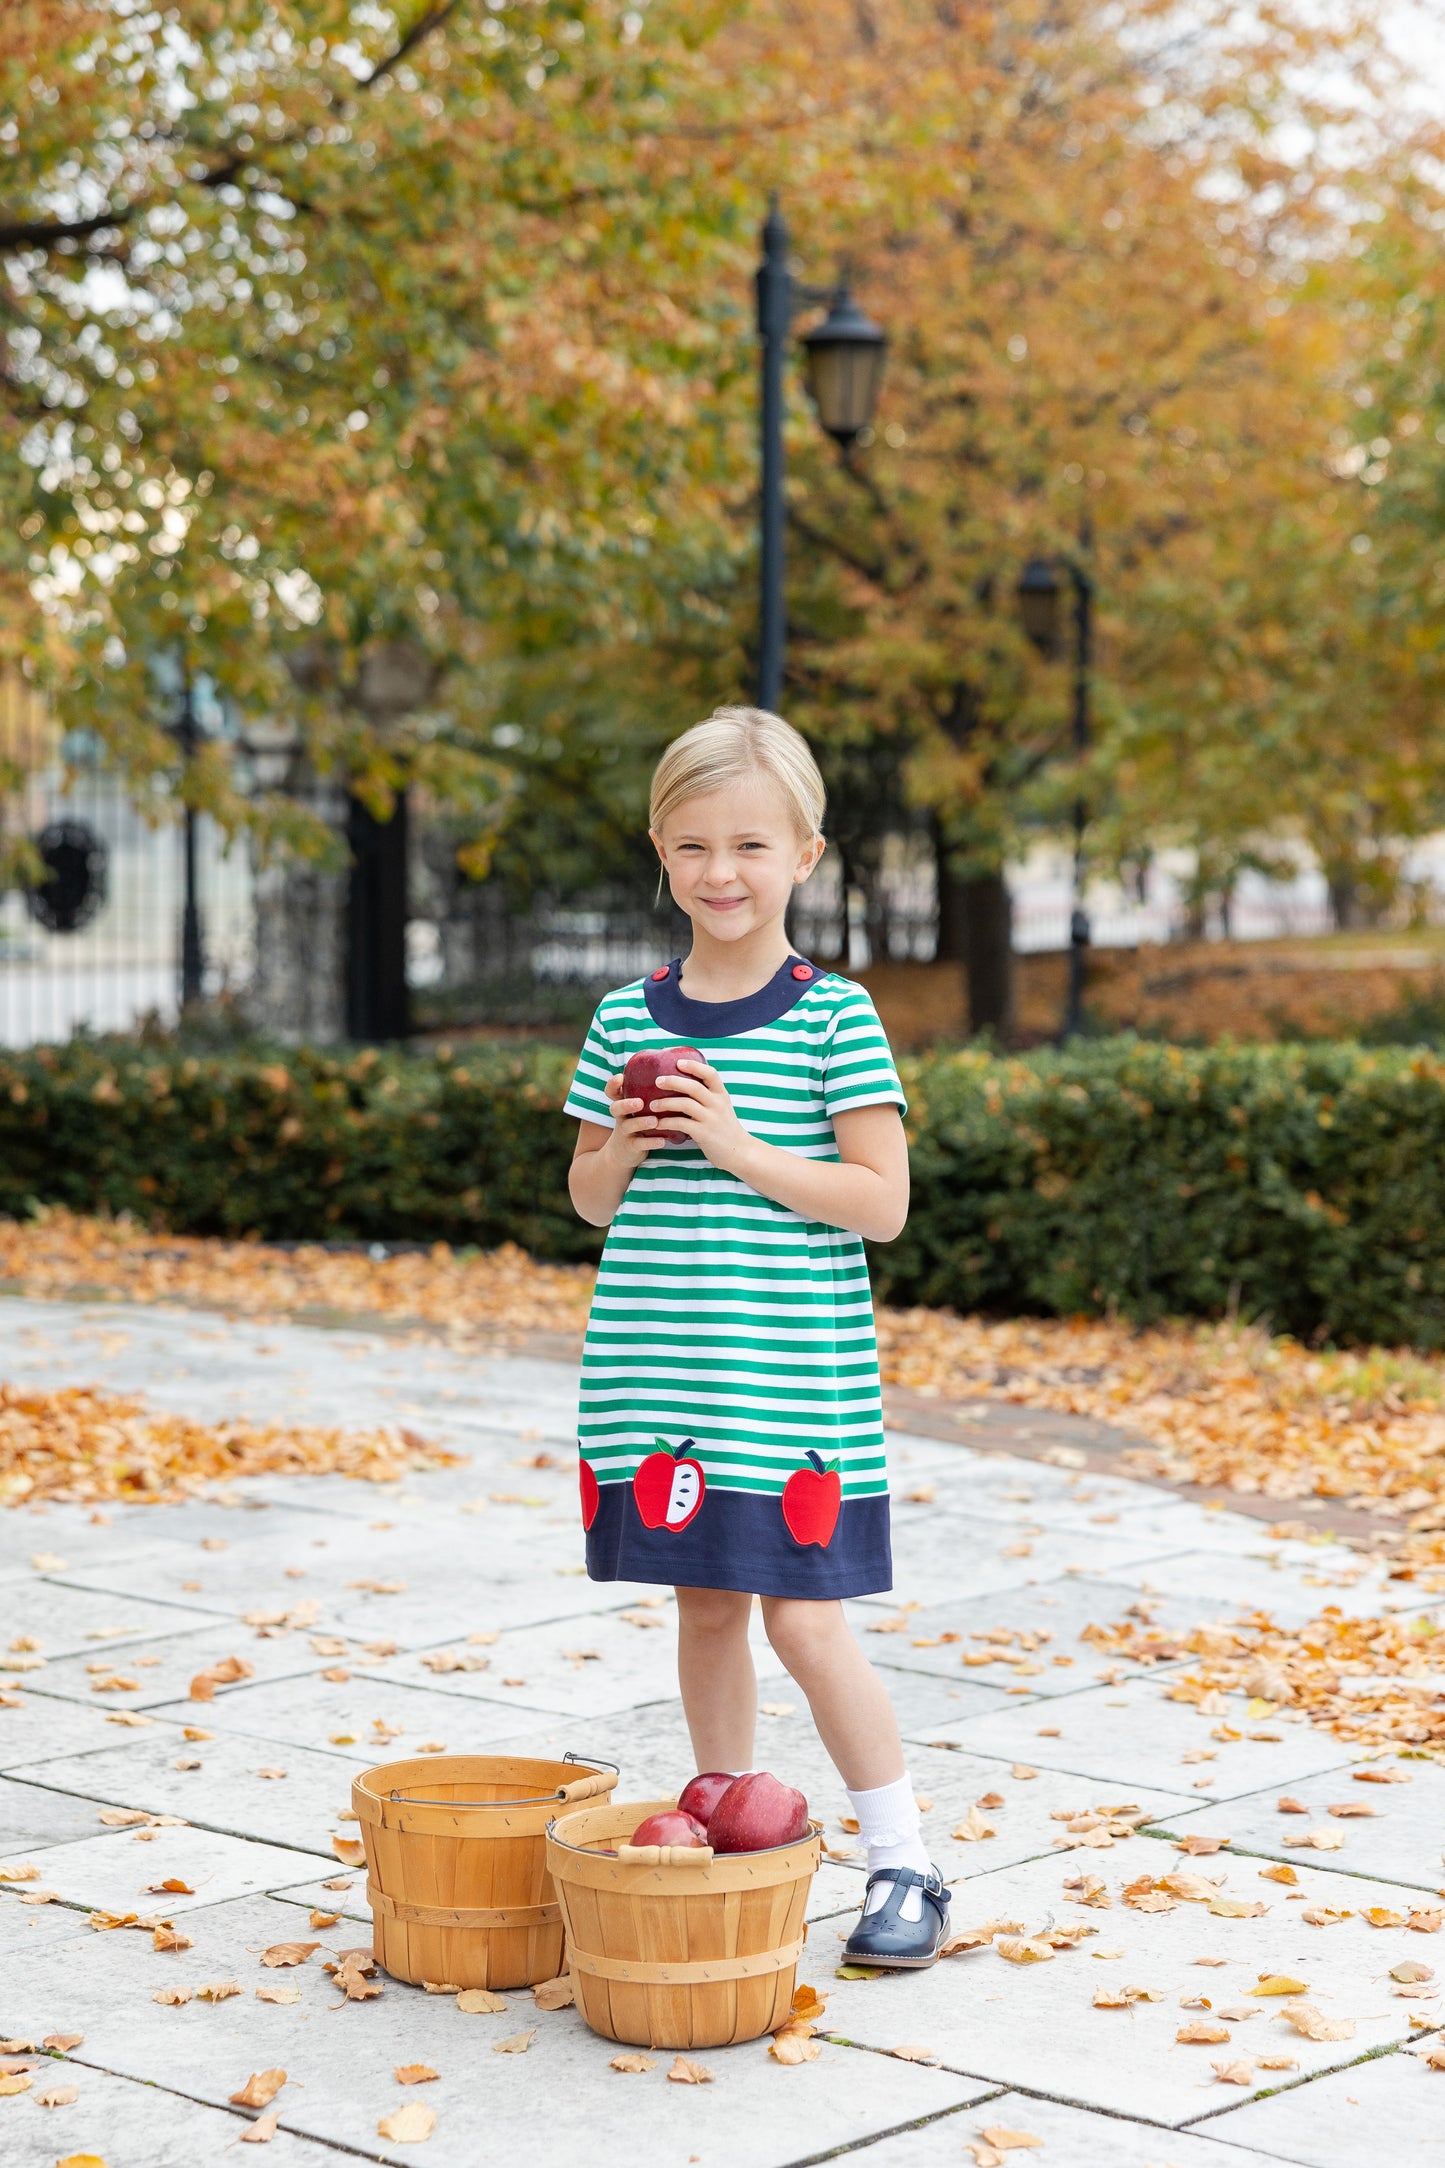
(808, 858)
(662, 864)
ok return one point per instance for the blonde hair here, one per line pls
(731, 746)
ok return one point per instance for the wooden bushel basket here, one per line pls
(678, 1948)
(456, 1864)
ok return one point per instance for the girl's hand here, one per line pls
(635, 1133)
(704, 1111)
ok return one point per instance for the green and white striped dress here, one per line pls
(731, 1425)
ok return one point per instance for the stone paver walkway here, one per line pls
(983, 1542)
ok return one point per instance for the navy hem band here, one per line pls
(677, 1012)
(734, 1526)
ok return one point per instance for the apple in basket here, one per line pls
(671, 1827)
(702, 1793)
(756, 1813)
(639, 1081)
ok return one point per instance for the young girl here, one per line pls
(731, 1419)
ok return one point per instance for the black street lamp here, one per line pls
(1039, 594)
(190, 737)
(844, 367)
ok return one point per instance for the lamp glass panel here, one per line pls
(1038, 593)
(844, 377)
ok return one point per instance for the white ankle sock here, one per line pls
(888, 1823)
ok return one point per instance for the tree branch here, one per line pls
(50, 232)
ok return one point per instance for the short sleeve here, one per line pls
(587, 1097)
(858, 1066)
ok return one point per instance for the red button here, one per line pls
(662, 974)
(802, 971)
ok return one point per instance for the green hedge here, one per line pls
(297, 1145)
(1301, 1184)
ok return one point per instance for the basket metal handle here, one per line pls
(566, 1794)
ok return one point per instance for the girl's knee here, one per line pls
(714, 1611)
(802, 1634)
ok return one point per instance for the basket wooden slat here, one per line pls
(457, 1869)
(677, 1955)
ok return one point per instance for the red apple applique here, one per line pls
(669, 1486)
(591, 1495)
(812, 1498)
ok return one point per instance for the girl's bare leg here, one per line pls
(715, 1673)
(849, 1701)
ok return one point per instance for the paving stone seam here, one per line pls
(191, 1821)
(898, 2130)
(1325, 1866)
(83, 1588)
(1065, 2100)
(1311, 2077)
(1080, 1776)
(222, 2107)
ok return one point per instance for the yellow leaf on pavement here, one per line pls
(807, 2002)
(973, 1828)
(633, 2065)
(684, 2072)
(554, 1994)
(263, 2130)
(479, 2001)
(1278, 1983)
(1314, 2025)
(791, 2047)
(260, 2089)
(515, 2043)
(414, 2073)
(408, 2125)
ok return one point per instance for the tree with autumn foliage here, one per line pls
(395, 365)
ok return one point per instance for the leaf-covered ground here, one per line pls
(79, 1445)
(1226, 1405)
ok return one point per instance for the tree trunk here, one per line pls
(378, 1005)
(988, 956)
(1345, 902)
(975, 928)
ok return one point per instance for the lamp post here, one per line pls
(844, 367)
(1039, 595)
(190, 737)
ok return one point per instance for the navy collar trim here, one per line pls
(677, 1012)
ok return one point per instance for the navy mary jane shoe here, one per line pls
(882, 1937)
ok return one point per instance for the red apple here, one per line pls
(756, 1813)
(702, 1794)
(669, 1486)
(591, 1495)
(639, 1081)
(812, 1500)
(673, 1827)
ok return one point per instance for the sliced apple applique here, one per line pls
(591, 1495)
(669, 1486)
(812, 1500)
